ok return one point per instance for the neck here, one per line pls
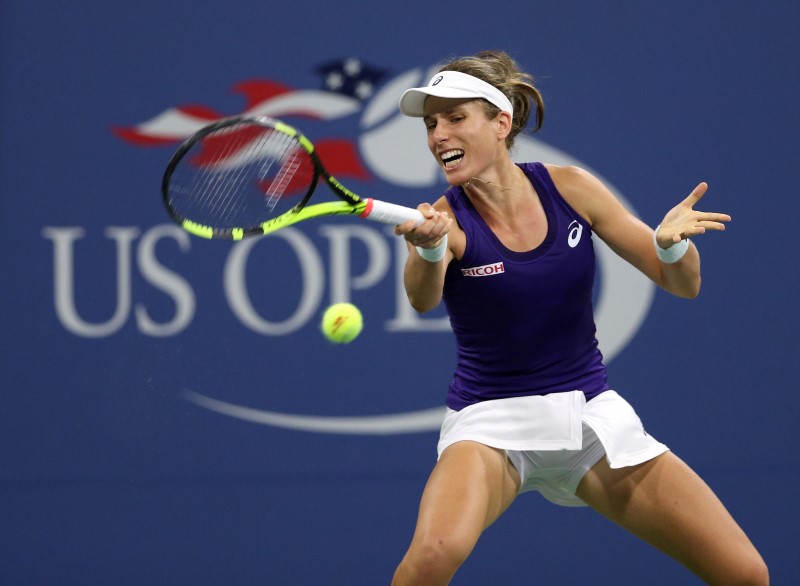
(487, 183)
(497, 182)
(503, 198)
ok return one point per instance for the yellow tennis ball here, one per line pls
(342, 322)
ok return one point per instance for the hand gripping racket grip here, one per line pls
(389, 213)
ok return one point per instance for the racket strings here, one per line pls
(292, 164)
(240, 176)
(209, 196)
(229, 205)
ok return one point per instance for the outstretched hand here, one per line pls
(683, 221)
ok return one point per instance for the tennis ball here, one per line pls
(342, 322)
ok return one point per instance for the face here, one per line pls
(464, 141)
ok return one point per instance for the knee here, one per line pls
(431, 561)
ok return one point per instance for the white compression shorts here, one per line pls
(553, 440)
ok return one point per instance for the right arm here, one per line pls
(423, 279)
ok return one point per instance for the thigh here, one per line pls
(469, 488)
(666, 504)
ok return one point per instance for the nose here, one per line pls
(439, 134)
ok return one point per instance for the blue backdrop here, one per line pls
(172, 414)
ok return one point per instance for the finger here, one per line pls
(713, 217)
(693, 231)
(696, 194)
(426, 234)
(405, 227)
(442, 223)
(427, 210)
(431, 239)
(712, 225)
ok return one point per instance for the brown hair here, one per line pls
(500, 70)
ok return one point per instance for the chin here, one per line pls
(455, 178)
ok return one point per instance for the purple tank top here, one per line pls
(523, 321)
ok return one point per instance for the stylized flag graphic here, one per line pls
(346, 84)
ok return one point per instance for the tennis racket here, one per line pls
(249, 176)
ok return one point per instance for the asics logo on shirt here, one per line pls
(575, 231)
(485, 270)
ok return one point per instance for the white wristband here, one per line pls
(672, 254)
(436, 253)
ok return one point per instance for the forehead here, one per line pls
(436, 105)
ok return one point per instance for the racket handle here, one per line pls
(389, 213)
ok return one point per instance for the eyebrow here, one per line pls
(447, 112)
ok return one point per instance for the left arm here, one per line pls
(632, 239)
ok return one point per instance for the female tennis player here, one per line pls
(509, 250)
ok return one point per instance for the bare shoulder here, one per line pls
(583, 191)
(567, 173)
(443, 205)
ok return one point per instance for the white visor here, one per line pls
(452, 84)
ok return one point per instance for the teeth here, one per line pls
(451, 154)
(451, 158)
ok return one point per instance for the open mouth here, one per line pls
(451, 159)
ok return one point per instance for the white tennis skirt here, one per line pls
(553, 440)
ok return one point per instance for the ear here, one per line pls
(503, 125)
